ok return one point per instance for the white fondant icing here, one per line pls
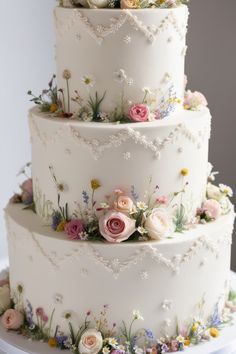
(89, 275)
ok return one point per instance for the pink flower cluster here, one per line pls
(139, 113)
(194, 100)
(12, 319)
(115, 225)
(41, 314)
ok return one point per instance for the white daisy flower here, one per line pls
(142, 206)
(137, 315)
(142, 230)
(58, 299)
(120, 76)
(226, 190)
(88, 80)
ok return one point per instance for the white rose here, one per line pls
(91, 342)
(213, 192)
(5, 300)
(159, 224)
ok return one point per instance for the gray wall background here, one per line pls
(26, 61)
(211, 69)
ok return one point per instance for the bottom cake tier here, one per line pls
(171, 283)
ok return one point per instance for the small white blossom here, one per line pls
(130, 81)
(83, 236)
(142, 206)
(167, 305)
(58, 299)
(88, 80)
(144, 275)
(138, 350)
(112, 342)
(142, 230)
(226, 190)
(120, 76)
(147, 90)
(180, 339)
(127, 155)
(104, 205)
(106, 350)
(137, 315)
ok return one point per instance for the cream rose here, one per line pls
(91, 342)
(159, 224)
(123, 204)
(116, 227)
(97, 4)
(5, 300)
(212, 208)
(12, 319)
(128, 4)
(213, 192)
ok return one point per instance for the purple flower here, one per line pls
(164, 348)
(74, 229)
(56, 219)
(85, 197)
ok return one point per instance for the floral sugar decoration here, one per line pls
(95, 335)
(123, 4)
(194, 101)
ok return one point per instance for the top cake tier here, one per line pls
(121, 58)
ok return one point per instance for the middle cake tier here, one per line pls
(86, 162)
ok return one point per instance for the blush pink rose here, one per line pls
(123, 204)
(74, 228)
(162, 200)
(12, 319)
(139, 113)
(27, 191)
(194, 100)
(212, 208)
(116, 227)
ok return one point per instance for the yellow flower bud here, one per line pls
(214, 332)
(52, 342)
(53, 108)
(61, 226)
(95, 184)
(184, 172)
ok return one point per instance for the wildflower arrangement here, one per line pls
(152, 107)
(216, 201)
(95, 336)
(123, 4)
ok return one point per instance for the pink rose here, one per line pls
(116, 227)
(74, 228)
(128, 4)
(162, 200)
(212, 208)
(123, 204)
(27, 191)
(39, 312)
(12, 319)
(139, 113)
(193, 100)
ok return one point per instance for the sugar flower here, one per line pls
(212, 209)
(129, 4)
(213, 192)
(120, 76)
(91, 342)
(66, 74)
(96, 4)
(12, 319)
(5, 300)
(95, 184)
(123, 204)
(137, 315)
(27, 191)
(74, 229)
(116, 227)
(139, 113)
(159, 224)
(88, 81)
(194, 100)
(226, 190)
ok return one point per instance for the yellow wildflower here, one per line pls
(61, 226)
(184, 172)
(187, 107)
(53, 108)
(214, 332)
(95, 184)
(187, 342)
(52, 342)
(195, 327)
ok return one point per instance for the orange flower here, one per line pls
(52, 342)
(214, 332)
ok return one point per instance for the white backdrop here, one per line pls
(26, 62)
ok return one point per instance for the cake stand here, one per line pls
(11, 343)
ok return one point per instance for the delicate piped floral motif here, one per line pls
(123, 4)
(94, 335)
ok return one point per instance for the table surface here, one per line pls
(11, 343)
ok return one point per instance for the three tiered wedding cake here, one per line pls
(127, 225)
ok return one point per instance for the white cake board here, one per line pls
(12, 343)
